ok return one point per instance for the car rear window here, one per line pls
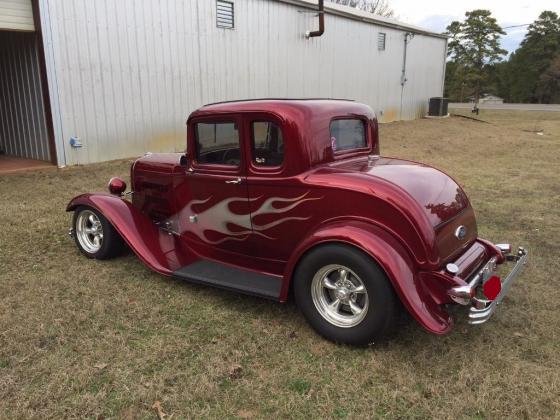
(268, 145)
(348, 134)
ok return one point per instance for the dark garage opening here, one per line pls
(24, 136)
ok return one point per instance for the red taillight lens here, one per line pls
(492, 287)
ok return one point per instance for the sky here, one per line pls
(437, 14)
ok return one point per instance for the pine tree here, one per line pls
(548, 86)
(531, 60)
(474, 45)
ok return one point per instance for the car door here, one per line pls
(214, 213)
(282, 208)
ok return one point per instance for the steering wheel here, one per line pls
(231, 160)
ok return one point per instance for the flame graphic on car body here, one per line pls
(219, 218)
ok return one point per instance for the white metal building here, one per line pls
(121, 76)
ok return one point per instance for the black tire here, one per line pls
(382, 303)
(112, 245)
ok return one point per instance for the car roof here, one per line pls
(288, 107)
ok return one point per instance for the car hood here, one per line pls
(436, 192)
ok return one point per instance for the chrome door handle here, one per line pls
(234, 181)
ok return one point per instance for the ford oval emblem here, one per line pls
(461, 232)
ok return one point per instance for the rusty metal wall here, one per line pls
(124, 74)
(23, 129)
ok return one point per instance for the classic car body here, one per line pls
(265, 182)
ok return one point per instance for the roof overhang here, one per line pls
(359, 15)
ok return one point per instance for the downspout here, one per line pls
(321, 30)
(403, 73)
(444, 69)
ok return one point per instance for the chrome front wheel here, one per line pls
(339, 295)
(94, 235)
(89, 231)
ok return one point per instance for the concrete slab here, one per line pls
(12, 164)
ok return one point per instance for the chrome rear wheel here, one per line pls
(344, 294)
(339, 295)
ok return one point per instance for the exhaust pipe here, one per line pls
(321, 30)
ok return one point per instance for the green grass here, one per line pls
(82, 338)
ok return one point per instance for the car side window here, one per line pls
(267, 144)
(347, 134)
(218, 143)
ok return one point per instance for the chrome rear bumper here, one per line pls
(482, 309)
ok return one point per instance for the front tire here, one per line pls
(94, 235)
(344, 295)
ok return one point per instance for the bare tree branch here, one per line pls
(377, 7)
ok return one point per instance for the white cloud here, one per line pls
(437, 14)
(505, 11)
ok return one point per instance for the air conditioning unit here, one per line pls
(438, 107)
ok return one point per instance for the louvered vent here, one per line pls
(224, 14)
(381, 41)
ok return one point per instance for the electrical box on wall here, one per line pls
(75, 142)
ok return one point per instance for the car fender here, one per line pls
(156, 248)
(391, 257)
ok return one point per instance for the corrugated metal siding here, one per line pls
(424, 73)
(128, 72)
(23, 130)
(16, 15)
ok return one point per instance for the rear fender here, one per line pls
(391, 257)
(156, 248)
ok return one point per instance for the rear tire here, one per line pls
(344, 295)
(94, 235)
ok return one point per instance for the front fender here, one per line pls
(391, 257)
(157, 249)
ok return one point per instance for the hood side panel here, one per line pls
(153, 180)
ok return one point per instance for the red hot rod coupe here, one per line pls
(278, 196)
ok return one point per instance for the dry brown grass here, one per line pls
(81, 338)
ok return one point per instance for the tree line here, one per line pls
(477, 64)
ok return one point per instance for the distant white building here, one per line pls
(119, 77)
(491, 99)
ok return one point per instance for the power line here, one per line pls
(516, 26)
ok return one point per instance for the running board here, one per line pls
(231, 278)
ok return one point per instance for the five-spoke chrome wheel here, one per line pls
(89, 231)
(344, 294)
(339, 295)
(94, 235)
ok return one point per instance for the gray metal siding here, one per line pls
(424, 74)
(23, 130)
(128, 72)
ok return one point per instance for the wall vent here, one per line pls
(381, 41)
(224, 14)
